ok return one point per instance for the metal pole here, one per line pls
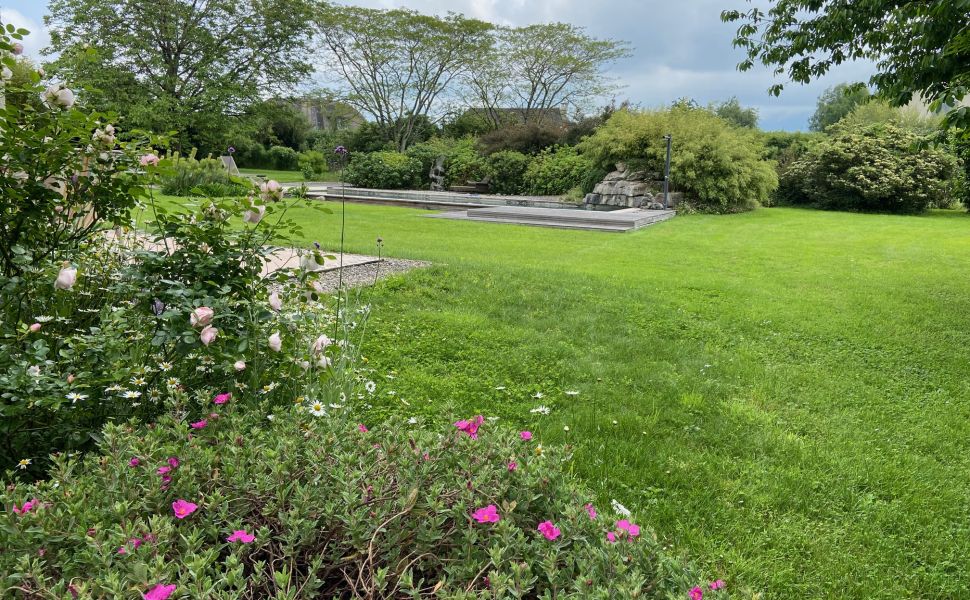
(667, 174)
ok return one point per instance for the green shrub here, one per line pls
(283, 158)
(383, 170)
(719, 168)
(335, 510)
(208, 176)
(462, 161)
(507, 170)
(871, 168)
(784, 148)
(313, 163)
(556, 170)
(528, 139)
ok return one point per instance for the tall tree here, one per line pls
(398, 65)
(543, 67)
(735, 114)
(920, 47)
(835, 103)
(180, 64)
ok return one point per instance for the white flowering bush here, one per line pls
(216, 500)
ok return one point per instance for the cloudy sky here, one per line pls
(680, 48)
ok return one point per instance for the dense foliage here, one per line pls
(718, 167)
(188, 176)
(835, 103)
(555, 171)
(385, 170)
(871, 168)
(921, 49)
(296, 503)
(507, 171)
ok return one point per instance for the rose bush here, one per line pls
(266, 502)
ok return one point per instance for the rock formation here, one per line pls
(630, 189)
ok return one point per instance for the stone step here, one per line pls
(618, 220)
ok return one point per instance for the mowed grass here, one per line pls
(790, 388)
(782, 395)
(287, 176)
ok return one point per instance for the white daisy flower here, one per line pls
(74, 397)
(335, 406)
(413, 421)
(131, 394)
(571, 393)
(139, 381)
(165, 366)
(24, 462)
(44, 318)
(370, 386)
(541, 410)
(113, 388)
(500, 387)
(538, 395)
(317, 409)
(172, 382)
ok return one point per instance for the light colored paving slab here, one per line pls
(628, 219)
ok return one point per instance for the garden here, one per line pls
(761, 398)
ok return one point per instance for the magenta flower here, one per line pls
(591, 511)
(183, 508)
(717, 585)
(471, 426)
(362, 428)
(122, 550)
(222, 398)
(513, 465)
(240, 535)
(611, 537)
(27, 507)
(134, 462)
(199, 424)
(173, 462)
(631, 529)
(526, 435)
(695, 593)
(159, 592)
(135, 542)
(489, 514)
(549, 530)
(164, 470)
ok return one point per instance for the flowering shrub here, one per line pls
(298, 505)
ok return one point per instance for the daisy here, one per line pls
(571, 393)
(44, 319)
(74, 397)
(268, 388)
(317, 409)
(113, 388)
(500, 387)
(24, 462)
(165, 366)
(538, 395)
(172, 382)
(541, 410)
(131, 395)
(139, 381)
(370, 386)
(413, 421)
(335, 406)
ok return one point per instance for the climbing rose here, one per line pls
(59, 96)
(222, 398)
(695, 593)
(199, 424)
(35, 327)
(183, 508)
(201, 316)
(254, 215)
(240, 365)
(275, 303)
(18, 48)
(549, 530)
(717, 585)
(270, 190)
(66, 278)
(526, 435)
(240, 535)
(159, 592)
(208, 335)
(488, 514)
(275, 343)
(149, 159)
(320, 344)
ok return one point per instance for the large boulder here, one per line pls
(630, 189)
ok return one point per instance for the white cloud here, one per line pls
(38, 39)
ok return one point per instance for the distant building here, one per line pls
(330, 115)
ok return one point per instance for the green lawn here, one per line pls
(783, 395)
(287, 176)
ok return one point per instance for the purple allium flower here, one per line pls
(316, 245)
(232, 150)
(340, 150)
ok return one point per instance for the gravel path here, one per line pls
(361, 275)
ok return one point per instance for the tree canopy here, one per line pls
(835, 103)
(180, 64)
(920, 48)
(735, 114)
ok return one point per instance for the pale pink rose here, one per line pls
(275, 342)
(208, 335)
(201, 316)
(18, 48)
(70, 378)
(320, 344)
(150, 159)
(254, 215)
(275, 303)
(240, 365)
(59, 96)
(66, 278)
(270, 190)
(34, 328)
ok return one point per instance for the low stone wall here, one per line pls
(630, 189)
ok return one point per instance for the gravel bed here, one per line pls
(361, 275)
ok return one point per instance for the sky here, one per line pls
(680, 48)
